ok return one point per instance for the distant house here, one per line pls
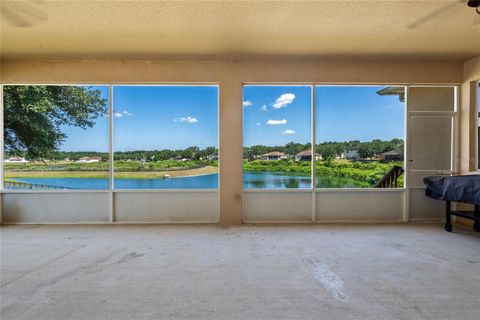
(16, 160)
(274, 155)
(89, 159)
(352, 154)
(212, 157)
(391, 156)
(306, 155)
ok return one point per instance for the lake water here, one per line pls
(252, 180)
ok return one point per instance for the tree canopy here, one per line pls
(34, 116)
(330, 149)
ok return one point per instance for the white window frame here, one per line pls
(312, 129)
(110, 190)
(313, 133)
(405, 124)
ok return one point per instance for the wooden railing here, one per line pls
(390, 179)
(31, 186)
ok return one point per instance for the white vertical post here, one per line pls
(456, 133)
(406, 160)
(314, 153)
(111, 207)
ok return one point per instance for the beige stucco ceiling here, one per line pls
(340, 30)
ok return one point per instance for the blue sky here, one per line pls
(153, 118)
(357, 113)
(176, 117)
(276, 115)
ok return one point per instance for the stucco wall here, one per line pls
(230, 75)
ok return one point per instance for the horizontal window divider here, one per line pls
(325, 190)
(116, 191)
(127, 83)
(432, 170)
(292, 190)
(274, 84)
(277, 222)
(57, 223)
(353, 190)
(8, 191)
(432, 113)
(167, 222)
(358, 84)
(416, 188)
(164, 84)
(320, 221)
(427, 219)
(348, 84)
(434, 85)
(165, 190)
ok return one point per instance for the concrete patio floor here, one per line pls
(362, 271)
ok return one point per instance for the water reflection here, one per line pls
(275, 180)
(251, 180)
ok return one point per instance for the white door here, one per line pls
(431, 147)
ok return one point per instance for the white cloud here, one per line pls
(120, 114)
(264, 107)
(288, 131)
(247, 103)
(186, 119)
(284, 100)
(276, 122)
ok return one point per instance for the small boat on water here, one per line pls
(166, 176)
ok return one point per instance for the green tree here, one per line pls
(377, 147)
(34, 116)
(293, 148)
(327, 150)
(365, 150)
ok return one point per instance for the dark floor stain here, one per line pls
(130, 256)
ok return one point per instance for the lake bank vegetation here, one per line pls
(367, 168)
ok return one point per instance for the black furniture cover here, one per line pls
(454, 188)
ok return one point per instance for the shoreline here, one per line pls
(117, 175)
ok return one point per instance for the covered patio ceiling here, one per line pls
(329, 30)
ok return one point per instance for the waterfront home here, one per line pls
(306, 155)
(352, 154)
(391, 156)
(274, 155)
